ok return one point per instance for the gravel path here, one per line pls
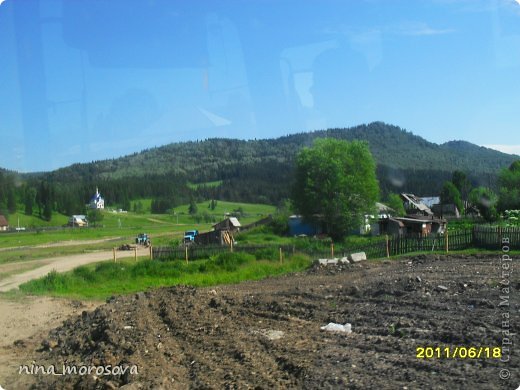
(62, 264)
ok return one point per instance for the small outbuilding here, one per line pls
(230, 224)
(299, 227)
(4, 225)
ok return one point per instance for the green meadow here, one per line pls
(126, 226)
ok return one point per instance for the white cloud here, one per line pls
(510, 149)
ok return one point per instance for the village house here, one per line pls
(4, 225)
(78, 220)
(420, 219)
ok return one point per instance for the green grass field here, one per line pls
(104, 279)
(127, 225)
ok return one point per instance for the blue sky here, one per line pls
(88, 80)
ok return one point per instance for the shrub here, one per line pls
(229, 261)
(267, 254)
(84, 273)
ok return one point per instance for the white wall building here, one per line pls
(97, 202)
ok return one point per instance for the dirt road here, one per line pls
(60, 264)
(63, 243)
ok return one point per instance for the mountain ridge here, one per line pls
(260, 170)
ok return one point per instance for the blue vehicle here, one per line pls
(142, 239)
(189, 235)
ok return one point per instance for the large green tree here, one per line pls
(461, 181)
(95, 216)
(29, 197)
(485, 201)
(509, 182)
(335, 184)
(451, 195)
(395, 202)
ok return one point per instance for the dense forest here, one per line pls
(249, 171)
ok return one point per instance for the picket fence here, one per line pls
(483, 237)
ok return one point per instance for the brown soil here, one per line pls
(23, 324)
(267, 334)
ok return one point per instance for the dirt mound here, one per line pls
(267, 334)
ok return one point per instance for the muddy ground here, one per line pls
(267, 334)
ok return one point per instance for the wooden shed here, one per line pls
(230, 224)
(4, 225)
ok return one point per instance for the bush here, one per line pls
(229, 261)
(299, 261)
(84, 273)
(267, 254)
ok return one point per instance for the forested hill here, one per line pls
(260, 170)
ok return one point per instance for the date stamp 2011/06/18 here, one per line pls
(458, 352)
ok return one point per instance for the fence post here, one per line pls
(447, 240)
(135, 253)
(151, 253)
(186, 253)
(281, 255)
(387, 246)
(231, 246)
(332, 250)
(114, 254)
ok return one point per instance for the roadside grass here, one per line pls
(104, 279)
(262, 235)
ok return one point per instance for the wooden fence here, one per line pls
(485, 237)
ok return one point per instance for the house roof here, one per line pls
(232, 220)
(383, 207)
(416, 201)
(3, 221)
